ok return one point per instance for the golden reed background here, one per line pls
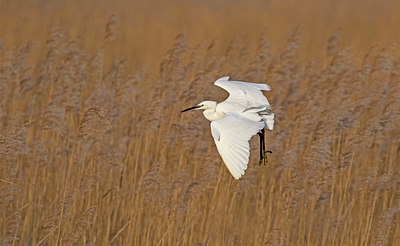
(94, 150)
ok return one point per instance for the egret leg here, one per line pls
(265, 158)
(261, 146)
(263, 140)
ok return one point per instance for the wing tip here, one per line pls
(225, 78)
(237, 176)
(267, 87)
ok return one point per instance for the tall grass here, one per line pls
(94, 150)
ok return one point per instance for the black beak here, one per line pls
(190, 108)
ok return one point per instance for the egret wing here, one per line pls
(231, 135)
(247, 95)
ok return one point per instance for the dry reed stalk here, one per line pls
(112, 140)
(384, 227)
(85, 219)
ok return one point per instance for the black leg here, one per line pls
(263, 140)
(261, 151)
(265, 160)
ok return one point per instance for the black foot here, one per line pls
(264, 158)
(263, 161)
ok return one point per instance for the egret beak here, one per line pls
(190, 108)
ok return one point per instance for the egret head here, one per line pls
(202, 105)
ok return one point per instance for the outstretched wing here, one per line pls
(231, 135)
(247, 95)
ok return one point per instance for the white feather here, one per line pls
(231, 135)
(243, 96)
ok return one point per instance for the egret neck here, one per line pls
(213, 114)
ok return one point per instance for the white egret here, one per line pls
(235, 120)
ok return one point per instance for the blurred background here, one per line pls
(94, 149)
(148, 28)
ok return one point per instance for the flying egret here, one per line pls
(235, 120)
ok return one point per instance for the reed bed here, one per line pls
(94, 150)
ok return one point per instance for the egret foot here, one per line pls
(265, 157)
(263, 161)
